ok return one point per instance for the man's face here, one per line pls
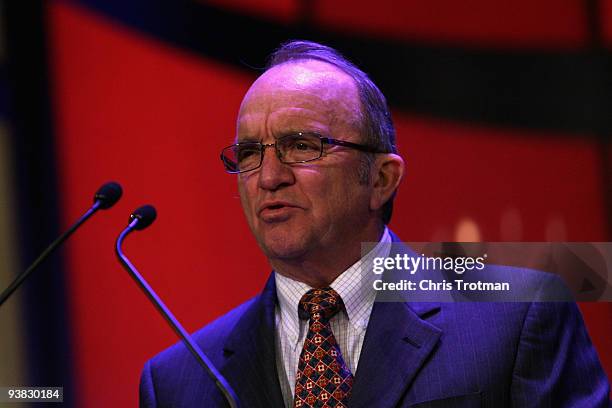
(297, 211)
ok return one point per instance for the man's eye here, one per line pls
(246, 153)
(303, 144)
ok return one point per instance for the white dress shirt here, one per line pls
(349, 326)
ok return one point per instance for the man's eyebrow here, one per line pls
(296, 131)
(277, 135)
(247, 138)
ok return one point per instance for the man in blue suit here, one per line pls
(317, 171)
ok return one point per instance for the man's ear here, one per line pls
(388, 171)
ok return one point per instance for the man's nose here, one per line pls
(274, 174)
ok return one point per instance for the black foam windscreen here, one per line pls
(108, 194)
(145, 215)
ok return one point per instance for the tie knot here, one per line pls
(319, 304)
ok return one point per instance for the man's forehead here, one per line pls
(305, 73)
(304, 77)
(304, 83)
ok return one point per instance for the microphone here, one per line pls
(139, 220)
(143, 217)
(105, 198)
(108, 195)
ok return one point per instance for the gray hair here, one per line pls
(376, 127)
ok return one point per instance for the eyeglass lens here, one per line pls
(292, 149)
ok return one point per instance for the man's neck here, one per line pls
(320, 269)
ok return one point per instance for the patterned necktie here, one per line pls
(323, 379)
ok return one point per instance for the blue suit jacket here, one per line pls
(414, 355)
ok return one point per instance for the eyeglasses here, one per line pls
(299, 147)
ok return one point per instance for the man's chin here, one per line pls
(283, 247)
(284, 252)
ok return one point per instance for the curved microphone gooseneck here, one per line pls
(105, 198)
(141, 219)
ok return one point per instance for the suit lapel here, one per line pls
(251, 356)
(398, 341)
(396, 345)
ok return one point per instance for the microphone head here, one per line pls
(108, 194)
(145, 216)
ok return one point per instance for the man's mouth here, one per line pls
(276, 211)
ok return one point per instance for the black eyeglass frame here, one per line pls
(324, 140)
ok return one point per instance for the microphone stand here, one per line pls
(220, 381)
(22, 276)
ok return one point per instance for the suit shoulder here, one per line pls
(526, 285)
(209, 337)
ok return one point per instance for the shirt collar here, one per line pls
(354, 285)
